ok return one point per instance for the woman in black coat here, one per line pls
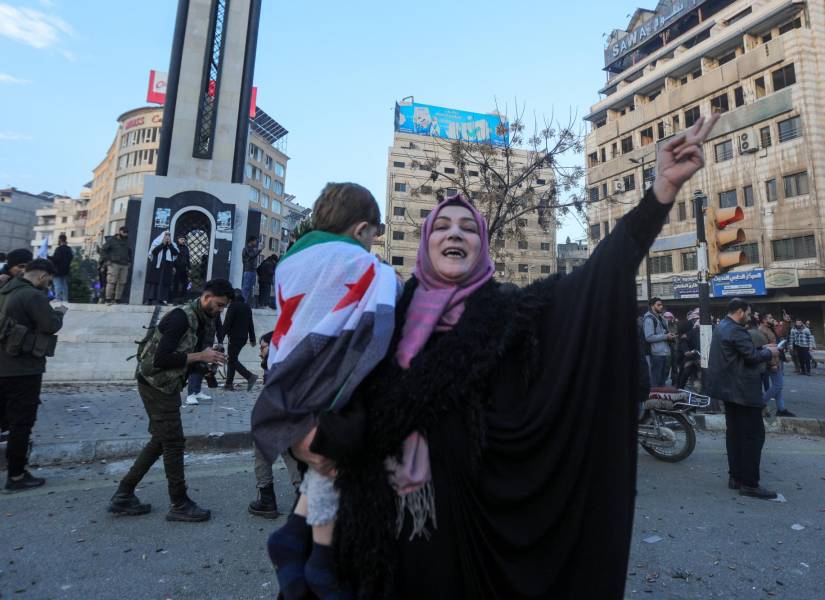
(161, 269)
(523, 481)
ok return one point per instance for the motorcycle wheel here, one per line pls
(683, 434)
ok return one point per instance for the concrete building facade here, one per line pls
(758, 62)
(65, 216)
(571, 256)
(18, 216)
(411, 196)
(133, 155)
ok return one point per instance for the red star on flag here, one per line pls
(288, 308)
(357, 289)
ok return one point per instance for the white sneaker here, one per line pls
(192, 399)
(202, 396)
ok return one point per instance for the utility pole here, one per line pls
(705, 325)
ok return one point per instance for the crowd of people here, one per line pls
(428, 426)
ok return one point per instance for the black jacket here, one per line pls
(62, 260)
(249, 257)
(28, 306)
(238, 323)
(116, 250)
(266, 271)
(733, 365)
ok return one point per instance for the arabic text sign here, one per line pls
(739, 283)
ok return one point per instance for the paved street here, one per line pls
(694, 539)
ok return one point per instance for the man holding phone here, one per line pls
(773, 379)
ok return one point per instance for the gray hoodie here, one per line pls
(656, 334)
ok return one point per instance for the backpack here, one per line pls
(150, 331)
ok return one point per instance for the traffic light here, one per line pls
(718, 237)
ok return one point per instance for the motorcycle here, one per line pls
(666, 428)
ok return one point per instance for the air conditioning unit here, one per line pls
(748, 142)
(618, 186)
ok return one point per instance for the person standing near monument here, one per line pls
(117, 255)
(250, 264)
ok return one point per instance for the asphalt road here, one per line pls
(693, 537)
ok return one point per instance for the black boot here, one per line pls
(188, 512)
(26, 482)
(125, 503)
(266, 505)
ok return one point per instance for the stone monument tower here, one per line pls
(197, 190)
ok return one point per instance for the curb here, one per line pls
(52, 454)
(786, 425)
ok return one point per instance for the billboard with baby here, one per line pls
(448, 123)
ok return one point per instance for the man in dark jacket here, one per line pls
(239, 327)
(266, 271)
(62, 261)
(250, 263)
(29, 323)
(117, 255)
(734, 378)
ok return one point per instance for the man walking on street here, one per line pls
(28, 324)
(774, 377)
(266, 271)
(250, 264)
(659, 338)
(802, 342)
(62, 261)
(238, 326)
(163, 364)
(733, 374)
(117, 255)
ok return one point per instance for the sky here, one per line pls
(328, 71)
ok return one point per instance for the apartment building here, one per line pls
(66, 216)
(758, 62)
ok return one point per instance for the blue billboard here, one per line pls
(451, 124)
(739, 283)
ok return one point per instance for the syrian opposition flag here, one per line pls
(335, 306)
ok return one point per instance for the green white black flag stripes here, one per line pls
(336, 306)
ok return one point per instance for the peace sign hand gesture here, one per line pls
(681, 158)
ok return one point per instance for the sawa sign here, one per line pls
(667, 14)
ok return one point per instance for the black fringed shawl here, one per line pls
(530, 407)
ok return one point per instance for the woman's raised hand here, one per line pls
(680, 158)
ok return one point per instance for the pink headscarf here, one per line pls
(437, 304)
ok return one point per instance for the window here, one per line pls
(767, 38)
(748, 194)
(726, 58)
(720, 104)
(751, 251)
(765, 136)
(697, 73)
(603, 154)
(759, 87)
(727, 199)
(267, 181)
(398, 211)
(424, 213)
(280, 170)
(400, 187)
(398, 163)
(793, 248)
(691, 116)
(594, 194)
(254, 195)
(473, 173)
(739, 96)
(647, 136)
(264, 201)
(450, 191)
(683, 80)
(276, 207)
(682, 209)
(661, 264)
(783, 77)
(595, 231)
(541, 182)
(499, 243)
(627, 144)
(545, 246)
(278, 188)
(272, 243)
(64, 219)
(629, 182)
(500, 267)
(545, 269)
(604, 190)
(796, 184)
(274, 225)
(449, 170)
(593, 158)
(522, 245)
(268, 162)
(724, 151)
(790, 26)
(606, 227)
(660, 129)
(562, 269)
(398, 261)
(614, 150)
(649, 175)
(790, 129)
(398, 235)
(522, 268)
(689, 261)
(263, 222)
(770, 190)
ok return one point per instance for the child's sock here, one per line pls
(288, 549)
(321, 576)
